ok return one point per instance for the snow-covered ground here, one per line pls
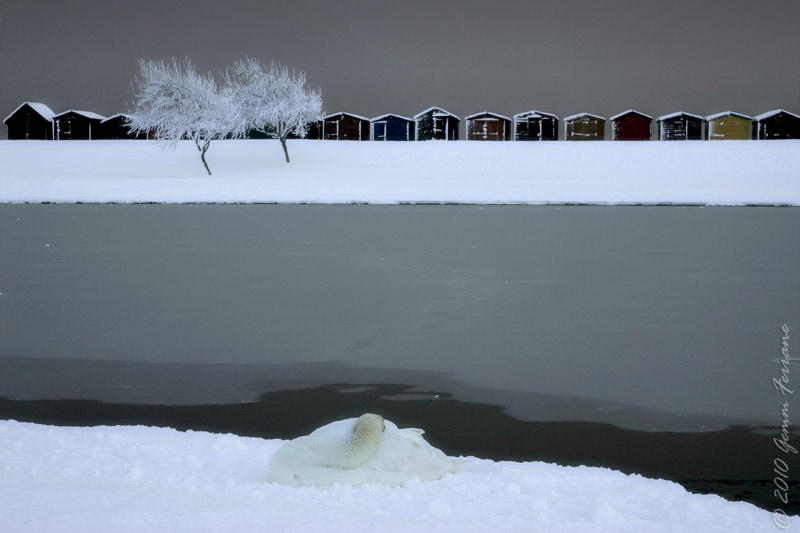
(151, 479)
(693, 172)
(137, 479)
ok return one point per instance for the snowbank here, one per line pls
(151, 479)
(695, 172)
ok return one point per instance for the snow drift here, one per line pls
(151, 479)
(693, 172)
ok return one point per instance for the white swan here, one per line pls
(367, 449)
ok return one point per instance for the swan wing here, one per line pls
(405, 451)
(295, 461)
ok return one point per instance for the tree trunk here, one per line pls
(203, 149)
(285, 149)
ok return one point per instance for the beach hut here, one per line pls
(31, 120)
(680, 126)
(436, 124)
(392, 128)
(631, 125)
(116, 127)
(314, 130)
(77, 126)
(487, 126)
(728, 126)
(584, 127)
(345, 127)
(535, 126)
(777, 124)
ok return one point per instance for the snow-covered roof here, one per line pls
(87, 114)
(678, 114)
(118, 115)
(772, 113)
(630, 111)
(359, 117)
(437, 111)
(489, 113)
(42, 109)
(579, 115)
(392, 115)
(727, 113)
(534, 113)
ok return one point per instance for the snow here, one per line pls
(118, 115)
(582, 115)
(630, 111)
(344, 114)
(87, 114)
(42, 109)
(391, 115)
(129, 479)
(532, 114)
(726, 114)
(608, 172)
(482, 114)
(437, 112)
(678, 114)
(774, 112)
(134, 478)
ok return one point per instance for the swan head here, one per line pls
(370, 423)
(363, 444)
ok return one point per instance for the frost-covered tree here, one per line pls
(275, 100)
(174, 102)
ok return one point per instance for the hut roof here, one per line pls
(387, 115)
(87, 114)
(118, 115)
(726, 114)
(629, 111)
(579, 115)
(441, 112)
(678, 114)
(42, 109)
(501, 117)
(772, 113)
(344, 113)
(533, 113)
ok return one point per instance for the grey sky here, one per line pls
(373, 56)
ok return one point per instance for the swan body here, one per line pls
(367, 449)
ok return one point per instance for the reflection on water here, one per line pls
(643, 310)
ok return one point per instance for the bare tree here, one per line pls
(174, 102)
(275, 101)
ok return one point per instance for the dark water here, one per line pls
(630, 337)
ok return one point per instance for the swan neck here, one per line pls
(364, 443)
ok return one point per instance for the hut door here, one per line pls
(489, 129)
(332, 129)
(441, 127)
(63, 129)
(483, 130)
(534, 129)
(379, 134)
(679, 130)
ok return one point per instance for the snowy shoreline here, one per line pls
(697, 173)
(157, 479)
